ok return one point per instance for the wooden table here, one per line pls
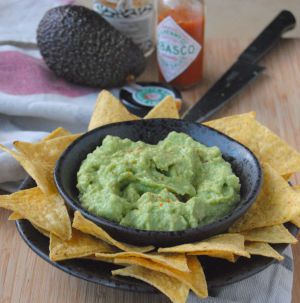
(24, 277)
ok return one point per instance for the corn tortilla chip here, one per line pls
(231, 257)
(178, 103)
(194, 279)
(296, 220)
(105, 259)
(237, 127)
(287, 177)
(109, 109)
(277, 203)
(89, 227)
(175, 261)
(296, 188)
(47, 212)
(15, 216)
(80, 245)
(267, 146)
(227, 243)
(229, 123)
(42, 231)
(39, 159)
(59, 132)
(270, 234)
(176, 291)
(263, 249)
(164, 109)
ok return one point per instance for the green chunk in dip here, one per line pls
(174, 185)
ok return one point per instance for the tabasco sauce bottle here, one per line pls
(180, 42)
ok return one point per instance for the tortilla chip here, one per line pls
(164, 109)
(277, 203)
(237, 127)
(296, 220)
(174, 261)
(231, 257)
(45, 211)
(105, 259)
(176, 291)
(267, 146)
(194, 278)
(227, 243)
(80, 245)
(89, 227)
(42, 231)
(39, 159)
(109, 109)
(15, 216)
(59, 132)
(263, 249)
(178, 103)
(270, 234)
(296, 188)
(287, 177)
(228, 124)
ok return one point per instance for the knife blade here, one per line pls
(238, 76)
(243, 71)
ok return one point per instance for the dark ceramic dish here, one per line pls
(244, 164)
(218, 272)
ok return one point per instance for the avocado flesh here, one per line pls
(80, 46)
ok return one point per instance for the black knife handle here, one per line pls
(284, 22)
(238, 76)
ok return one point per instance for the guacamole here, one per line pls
(173, 185)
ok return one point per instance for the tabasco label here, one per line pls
(176, 49)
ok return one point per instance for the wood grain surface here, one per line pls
(275, 96)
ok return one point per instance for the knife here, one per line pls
(243, 71)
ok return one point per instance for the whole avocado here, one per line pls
(80, 46)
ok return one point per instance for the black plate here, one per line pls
(218, 272)
(243, 162)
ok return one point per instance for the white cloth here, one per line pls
(19, 19)
(28, 115)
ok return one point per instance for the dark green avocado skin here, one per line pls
(78, 45)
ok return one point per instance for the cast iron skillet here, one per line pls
(244, 164)
(218, 272)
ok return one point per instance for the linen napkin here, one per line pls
(19, 19)
(33, 102)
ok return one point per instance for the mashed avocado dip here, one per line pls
(174, 185)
